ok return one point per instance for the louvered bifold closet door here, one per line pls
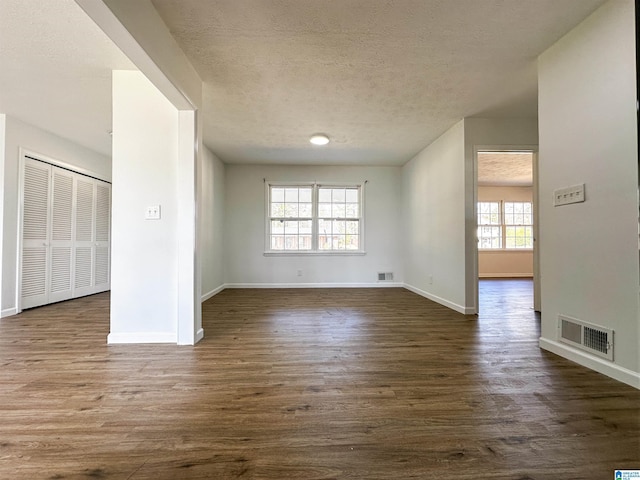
(102, 237)
(84, 248)
(36, 214)
(66, 234)
(61, 235)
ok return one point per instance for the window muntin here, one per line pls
(314, 218)
(338, 218)
(291, 214)
(489, 225)
(519, 237)
(518, 220)
(505, 225)
(489, 213)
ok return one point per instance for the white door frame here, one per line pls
(537, 275)
(504, 148)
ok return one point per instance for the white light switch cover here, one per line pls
(152, 213)
(567, 195)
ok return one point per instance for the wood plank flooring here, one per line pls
(309, 384)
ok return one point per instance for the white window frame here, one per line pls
(315, 219)
(515, 225)
(499, 225)
(503, 226)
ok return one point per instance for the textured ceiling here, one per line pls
(505, 169)
(55, 70)
(382, 78)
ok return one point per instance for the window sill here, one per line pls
(505, 250)
(293, 253)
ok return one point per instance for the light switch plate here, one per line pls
(152, 213)
(567, 195)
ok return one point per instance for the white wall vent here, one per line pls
(586, 336)
(385, 276)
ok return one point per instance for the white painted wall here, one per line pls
(505, 132)
(144, 265)
(245, 228)
(589, 251)
(508, 194)
(138, 30)
(189, 166)
(18, 134)
(439, 221)
(212, 224)
(433, 207)
(505, 263)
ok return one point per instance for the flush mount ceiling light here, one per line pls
(319, 139)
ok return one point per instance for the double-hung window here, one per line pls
(291, 211)
(505, 225)
(314, 218)
(489, 225)
(518, 221)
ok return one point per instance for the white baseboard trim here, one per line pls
(505, 275)
(7, 312)
(199, 335)
(212, 293)
(604, 367)
(314, 285)
(441, 301)
(142, 337)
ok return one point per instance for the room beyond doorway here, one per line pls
(505, 199)
(505, 214)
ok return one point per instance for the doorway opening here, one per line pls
(505, 202)
(506, 308)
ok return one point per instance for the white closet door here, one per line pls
(66, 238)
(102, 254)
(84, 250)
(61, 235)
(35, 233)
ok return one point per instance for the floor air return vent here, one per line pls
(586, 336)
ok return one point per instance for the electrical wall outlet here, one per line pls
(567, 195)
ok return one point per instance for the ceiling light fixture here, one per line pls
(319, 139)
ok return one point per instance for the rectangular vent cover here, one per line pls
(385, 277)
(586, 336)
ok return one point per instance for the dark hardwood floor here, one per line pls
(309, 384)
